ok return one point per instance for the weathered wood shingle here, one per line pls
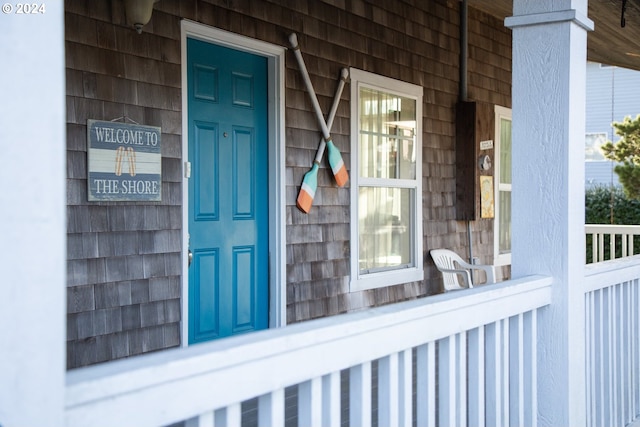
(106, 253)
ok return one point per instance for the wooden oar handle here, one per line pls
(293, 39)
(320, 151)
(344, 74)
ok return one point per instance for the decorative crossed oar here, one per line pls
(310, 180)
(335, 158)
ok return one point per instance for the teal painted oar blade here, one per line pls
(337, 164)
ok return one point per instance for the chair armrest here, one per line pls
(466, 276)
(488, 269)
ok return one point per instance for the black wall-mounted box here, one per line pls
(475, 122)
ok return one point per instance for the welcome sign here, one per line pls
(124, 162)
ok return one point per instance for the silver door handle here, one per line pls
(190, 258)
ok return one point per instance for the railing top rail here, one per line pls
(612, 229)
(608, 273)
(109, 394)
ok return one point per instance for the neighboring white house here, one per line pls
(612, 94)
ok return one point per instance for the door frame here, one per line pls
(276, 139)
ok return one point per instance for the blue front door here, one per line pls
(228, 191)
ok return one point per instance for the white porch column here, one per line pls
(549, 74)
(32, 216)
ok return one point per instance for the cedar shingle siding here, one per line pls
(124, 258)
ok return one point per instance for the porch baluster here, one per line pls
(516, 371)
(388, 391)
(360, 395)
(425, 389)
(405, 388)
(310, 402)
(331, 399)
(271, 409)
(477, 377)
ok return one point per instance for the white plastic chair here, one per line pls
(456, 273)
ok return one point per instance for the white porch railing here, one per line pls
(611, 241)
(612, 305)
(453, 359)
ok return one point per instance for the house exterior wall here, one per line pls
(124, 261)
(124, 258)
(612, 94)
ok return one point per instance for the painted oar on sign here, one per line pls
(335, 158)
(310, 180)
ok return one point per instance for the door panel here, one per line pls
(228, 191)
(244, 289)
(205, 181)
(244, 174)
(205, 288)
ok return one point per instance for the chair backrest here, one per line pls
(449, 260)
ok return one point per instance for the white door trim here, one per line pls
(277, 239)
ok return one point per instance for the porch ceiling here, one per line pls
(609, 43)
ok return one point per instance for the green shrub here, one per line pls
(599, 202)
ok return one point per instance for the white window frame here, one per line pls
(362, 281)
(498, 258)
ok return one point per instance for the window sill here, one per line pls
(501, 260)
(386, 278)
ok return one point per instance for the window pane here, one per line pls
(505, 222)
(387, 135)
(592, 144)
(385, 221)
(505, 151)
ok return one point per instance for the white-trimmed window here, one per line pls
(386, 181)
(502, 225)
(593, 143)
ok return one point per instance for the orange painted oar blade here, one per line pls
(308, 189)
